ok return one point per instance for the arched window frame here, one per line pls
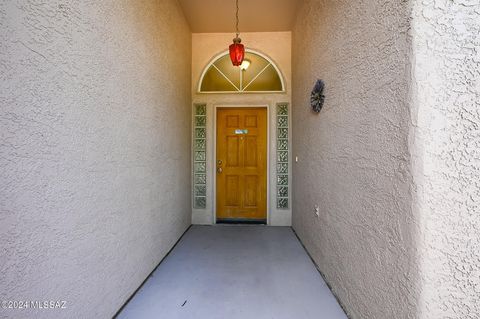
(222, 54)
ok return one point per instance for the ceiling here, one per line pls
(205, 16)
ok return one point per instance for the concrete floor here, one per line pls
(248, 272)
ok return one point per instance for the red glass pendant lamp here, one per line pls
(237, 50)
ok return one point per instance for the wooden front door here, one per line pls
(241, 164)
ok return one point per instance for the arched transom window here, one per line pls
(257, 74)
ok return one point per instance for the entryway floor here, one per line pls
(229, 272)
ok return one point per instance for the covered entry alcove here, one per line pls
(263, 84)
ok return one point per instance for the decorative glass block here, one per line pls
(282, 121)
(282, 156)
(282, 191)
(282, 203)
(201, 109)
(282, 180)
(200, 156)
(282, 133)
(200, 190)
(200, 121)
(200, 144)
(199, 167)
(282, 168)
(200, 179)
(200, 202)
(282, 109)
(282, 144)
(200, 132)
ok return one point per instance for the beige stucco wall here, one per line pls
(446, 142)
(275, 45)
(354, 159)
(94, 149)
(395, 163)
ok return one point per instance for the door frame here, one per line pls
(214, 159)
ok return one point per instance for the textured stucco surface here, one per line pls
(94, 149)
(395, 167)
(353, 157)
(446, 143)
(275, 45)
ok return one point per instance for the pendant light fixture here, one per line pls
(237, 50)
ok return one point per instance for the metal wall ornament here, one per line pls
(317, 97)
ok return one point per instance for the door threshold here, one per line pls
(241, 221)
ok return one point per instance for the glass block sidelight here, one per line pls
(201, 109)
(200, 202)
(199, 167)
(200, 132)
(200, 121)
(282, 156)
(282, 133)
(199, 156)
(282, 144)
(282, 168)
(201, 190)
(200, 144)
(200, 179)
(282, 121)
(282, 191)
(282, 180)
(283, 109)
(282, 202)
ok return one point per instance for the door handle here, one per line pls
(219, 170)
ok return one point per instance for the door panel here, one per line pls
(232, 191)
(251, 189)
(251, 151)
(232, 121)
(250, 121)
(233, 151)
(241, 163)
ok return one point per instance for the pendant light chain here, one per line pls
(237, 49)
(237, 20)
